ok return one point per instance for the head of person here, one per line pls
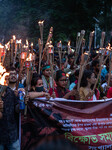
(62, 64)
(12, 75)
(71, 58)
(46, 70)
(34, 70)
(95, 65)
(61, 79)
(37, 84)
(87, 78)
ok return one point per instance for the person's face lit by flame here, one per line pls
(12, 76)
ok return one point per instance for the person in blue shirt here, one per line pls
(105, 70)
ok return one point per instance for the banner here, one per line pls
(86, 124)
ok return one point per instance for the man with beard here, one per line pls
(9, 137)
(13, 79)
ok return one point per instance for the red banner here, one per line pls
(87, 124)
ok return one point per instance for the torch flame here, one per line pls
(108, 47)
(32, 44)
(2, 80)
(3, 74)
(1, 46)
(86, 53)
(18, 41)
(41, 23)
(50, 42)
(6, 46)
(29, 57)
(27, 42)
(68, 43)
(14, 37)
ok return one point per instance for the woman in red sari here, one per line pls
(61, 91)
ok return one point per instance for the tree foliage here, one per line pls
(20, 17)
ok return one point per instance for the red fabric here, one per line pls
(97, 95)
(109, 93)
(57, 95)
(76, 81)
(51, 92)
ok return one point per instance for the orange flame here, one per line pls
(27, 42)
(18, 41)
(108, 47)
(32, 44)
(1, 46)
(3, 80)
(3, 74)
(68, 43)
(41, 23)
(29, 57)
(14, 37)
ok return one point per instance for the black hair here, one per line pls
(11, 69)
(87, 74)
(58, 74)
(70, 56)
(34, 75)
(94, 63)
(35, 79)
(76, 73)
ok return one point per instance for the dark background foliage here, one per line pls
(20, 17)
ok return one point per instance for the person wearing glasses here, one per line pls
(61, 91)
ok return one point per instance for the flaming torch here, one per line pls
(68, 47)
(90, 39)
(40, 42)
(59, 45)
(41, 25)
(19, 43)
(3, 82)
(13, 49)
(51, 52)
(40, 53)
(23, 58)
(28, 65)
(47, 43)
(32, 47)
(1, 49)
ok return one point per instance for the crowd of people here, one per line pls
(62, 84)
